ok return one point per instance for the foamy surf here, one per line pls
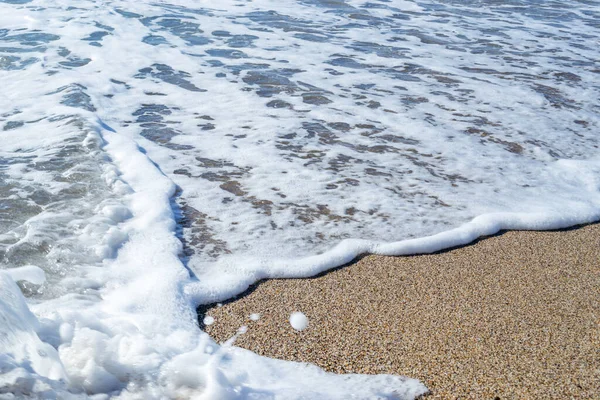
(159, 156)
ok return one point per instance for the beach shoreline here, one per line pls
(511, 315)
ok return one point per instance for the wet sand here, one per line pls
(516, 315)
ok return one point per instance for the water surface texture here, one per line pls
(155, 156)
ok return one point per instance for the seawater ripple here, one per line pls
(260, 135)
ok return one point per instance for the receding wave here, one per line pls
(156, 156)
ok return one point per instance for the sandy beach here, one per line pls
(511, 316)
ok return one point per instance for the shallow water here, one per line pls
(159, 155)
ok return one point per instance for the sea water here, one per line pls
(157, 156)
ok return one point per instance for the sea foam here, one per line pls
(157, 156)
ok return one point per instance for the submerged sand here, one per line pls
(512, 316)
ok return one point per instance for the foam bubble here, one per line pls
(299, 321)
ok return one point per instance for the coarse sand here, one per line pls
(516, 315)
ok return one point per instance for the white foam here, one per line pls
(254, 317)
(22, 349)
(29, 273)
(299, 321)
